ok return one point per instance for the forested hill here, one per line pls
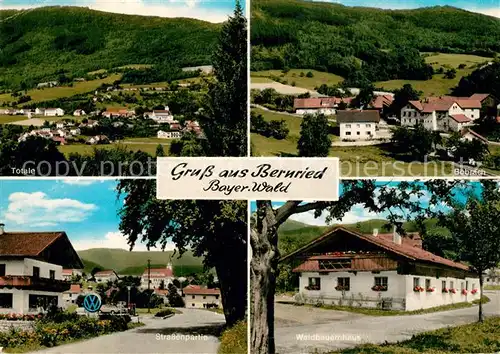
(41, 43)
(341, 39)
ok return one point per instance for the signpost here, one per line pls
(92, 303)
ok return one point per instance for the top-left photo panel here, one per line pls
(104, 87)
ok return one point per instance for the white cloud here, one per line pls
(112, 240)
(489, 12)
(37, 209)
(78, 181)
(357, 214)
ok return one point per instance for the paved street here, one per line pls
(297, 326)
(156, 336)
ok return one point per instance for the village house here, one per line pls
(69, 296)
(381, 103)
(168, 134)
(385, 271)
(118, 112)
(358, 125)
(53, 112)
(47, 84)
(469, 135)
(323, 105)
(162, 294)
(156, 276)
(75, 131)
(492, 277)
(98, 139)
(60, 125)
(31, 266)
(79, 112)
(104, 276)
(67, 274)
(161, 116)
(200, 297)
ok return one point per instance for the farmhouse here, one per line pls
(358, 125)
(105, 275)
(198, 297)
(47, 84)
(79, 112)
(156, 276)
(469, 134)
(70, 296)
(118, 112)
(458, 122)
(53, 112)
(168, 135)
(381, 103)
(386, 271)
(67, 274)
(323, 105)
(31, 266)
(161, 115)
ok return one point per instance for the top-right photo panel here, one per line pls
(391, 88)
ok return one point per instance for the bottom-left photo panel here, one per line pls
(102, 266)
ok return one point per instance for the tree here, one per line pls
(267, 219)
(208, 227)
(314, 138)
(450, 74)
(417, 141)
(402, 96)
(159, 150)
(224, 119)
(475, 228)
(162, 285)
(173, 297)
(364, 97)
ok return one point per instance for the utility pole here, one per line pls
(149, 284)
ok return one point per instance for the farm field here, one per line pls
(293, 75)
(5, 119)
(85, 149)
(438, 85)
(64, 91)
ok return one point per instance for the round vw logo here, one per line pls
(92, 302)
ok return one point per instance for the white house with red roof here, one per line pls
(201, 297)
(387, 271)
(323, 105)
(70, 296)
(442, 113)
(104, 276)
(358, 125)
(31, 265)
(67, 274)
(155, 277)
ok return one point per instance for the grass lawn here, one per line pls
(470, 338)
(71, 308)
(143, 311)
(234, 340)
(135, 66)
(64, 91)
(4, 119)
(492, 287)
(380, 312)
(438, 85)
(148, 140)
(87, 149)
(293, 75)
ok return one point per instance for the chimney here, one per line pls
(396, 238)
(375, 232)
(2, 228)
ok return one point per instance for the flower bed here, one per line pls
(430, 290)
(19, 317)
(341, 288)
(418, 289)
(49, 334)
(312, 287)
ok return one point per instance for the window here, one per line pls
(193, 305)
(204, 297)
(443, 284)
(368, 133)
(347, 125)
(473, 285)
(358, 125)
(44, 301)
(451, 285)
(193, 297)
(467, 285)
(52, 274)
(416, 282)
(347, 133)
(314, 284)
(216, 297)
(462, 286)
(334, 264)
(381, 281)
(368, 125)
(427, 283)
(2, 270)
(6, 301)
(343, 283)
(36, 272)
(358, 133)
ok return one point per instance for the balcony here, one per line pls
(31, 283)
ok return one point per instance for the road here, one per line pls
(297, 326)
(197, 327)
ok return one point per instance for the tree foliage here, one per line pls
(314, 138)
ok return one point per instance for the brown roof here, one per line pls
(201, 291)
(354, 116)
(74, 289)
(460, 118)
(473, 133)
(104, 273)
(323, 102)
(469, 103)
(479, 96)
(416, 104)
(158, 273)
(381, 101)
(27, 243)
(406, 250)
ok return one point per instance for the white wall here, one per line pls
(20, 300)
(472, 113)
(400, 289)
(358, 131)
(199, 300)
(25, 267)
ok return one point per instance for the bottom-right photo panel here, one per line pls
(390, 267)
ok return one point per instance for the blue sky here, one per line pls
(358, 213)
(489, 7)
(86, 210)
(208, 10)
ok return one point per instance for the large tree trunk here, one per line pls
(481, 296)
(263, 271)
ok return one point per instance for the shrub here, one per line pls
(164, 313)
(309, 74)
(234, 339)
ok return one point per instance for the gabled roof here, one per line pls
(104, 273)
(416, 104)
(474, 134)
(357, 116)
(74, 289)
(469, 103)
(405, 250)
(460, 118)
(381, 101)
(480, 96)
(158, 273)
(33, 244)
